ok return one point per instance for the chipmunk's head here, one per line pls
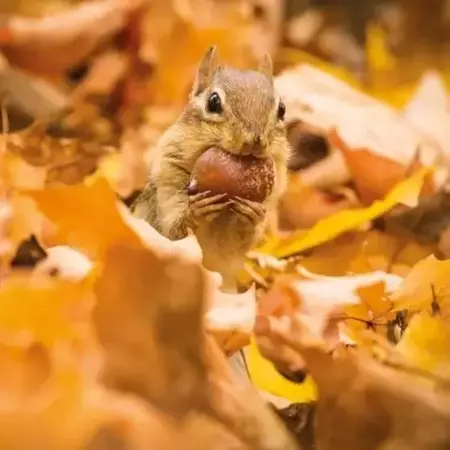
(237, 110)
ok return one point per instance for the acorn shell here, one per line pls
(221, 172)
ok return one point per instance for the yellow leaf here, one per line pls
(427, 282)
(38, 308)
(327, 229)
(426, 343)
(266, 378)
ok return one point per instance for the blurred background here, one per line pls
(385, 43)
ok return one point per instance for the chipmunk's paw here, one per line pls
(252, 212)
(205, 207)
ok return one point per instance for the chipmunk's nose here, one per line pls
(255, 147)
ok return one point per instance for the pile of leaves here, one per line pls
(114, 337)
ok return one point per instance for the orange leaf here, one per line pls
(86, 215)
(374, 174)
(39, 308)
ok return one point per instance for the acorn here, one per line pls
(242, 176)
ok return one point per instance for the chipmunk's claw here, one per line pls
(254, 212)
(206, 207)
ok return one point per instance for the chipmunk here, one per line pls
(238, 111)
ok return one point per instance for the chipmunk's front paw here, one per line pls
(253, 212)
(205, 207)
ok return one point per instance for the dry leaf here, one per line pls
(425, 343)
(301, 206)
(96, 201)
(383, 175)
(145, 324)
(327, 229)
(363, 404)
(425, 284)
(373, 312)
(40, 308)
(323, 101)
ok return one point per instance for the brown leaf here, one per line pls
(66, 161)
(426, 222)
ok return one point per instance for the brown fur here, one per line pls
(250, 107)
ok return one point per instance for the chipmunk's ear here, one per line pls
(205, 71)
(266, 66)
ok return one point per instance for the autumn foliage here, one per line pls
(114, 337)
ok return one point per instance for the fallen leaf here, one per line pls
(373, 312)
(321, 100)
(266, 378)
(424, 285)
(363, 404)
(426, 222)
(301, 206)
(313, 299)
(56, 160)
(384, 173)
(406, 191)
(39, 308)
(96, 201)
(425, 344)
(143, 325)
(240, 408)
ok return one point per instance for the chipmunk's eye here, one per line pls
(281, 111)
(214, 103)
